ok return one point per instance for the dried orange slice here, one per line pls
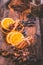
(8, 36)
(6, 22)
(16, 38)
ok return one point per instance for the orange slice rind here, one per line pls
(8, 37)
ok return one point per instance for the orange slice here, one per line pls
(6, 22)
(8, 37)
(16, 38)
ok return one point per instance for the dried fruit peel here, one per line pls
(8, 37)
